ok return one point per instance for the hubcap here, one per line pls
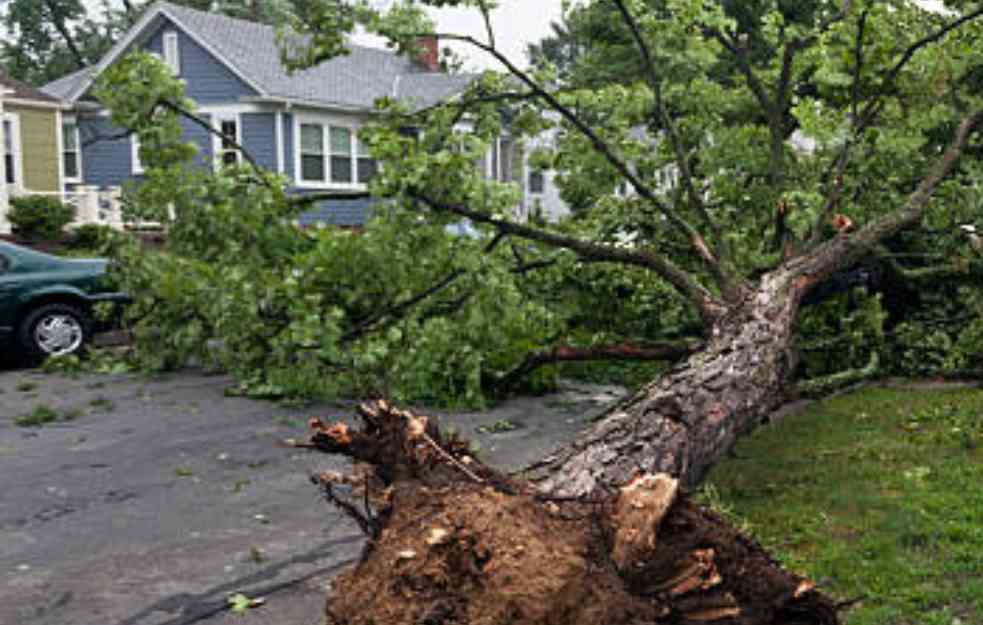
(58, 335)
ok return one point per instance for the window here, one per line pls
(366, 164)
(536, 182)
(341, 155)
(227, 146)
(505, 160)
(11, 150)
(498, 161)
(333, 155)
(172, 56)
(71, 154)
(4, 264)
(312, 153)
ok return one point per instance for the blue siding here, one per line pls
(208, 80)
(105, 161)
(259, 138)
(200, 137)
(288, 145)
(353, 212)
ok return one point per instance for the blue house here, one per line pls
(304, 126)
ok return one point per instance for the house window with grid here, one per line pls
(71, 157)
(227, 147)
(312, 165)
(172, 55)
(333, 156)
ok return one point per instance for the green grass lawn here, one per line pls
(877, 494)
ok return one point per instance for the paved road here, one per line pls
(160, 497)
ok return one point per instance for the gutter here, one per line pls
(289, 103)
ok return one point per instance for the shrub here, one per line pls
(38, 217)
(91, 237)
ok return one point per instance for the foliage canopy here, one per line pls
(744, 140)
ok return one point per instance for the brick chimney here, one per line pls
(429, 52)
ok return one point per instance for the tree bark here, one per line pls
(685, 421)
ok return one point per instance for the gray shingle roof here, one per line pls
(24, 91)
(352, 81)
(64, 86)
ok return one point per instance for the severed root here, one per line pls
(452, 541)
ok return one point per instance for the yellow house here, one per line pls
(38, 155)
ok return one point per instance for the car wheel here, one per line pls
(54, 330)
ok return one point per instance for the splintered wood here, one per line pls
(640, 507)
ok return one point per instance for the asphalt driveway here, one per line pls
(150, 501)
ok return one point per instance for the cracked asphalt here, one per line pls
(151, 500)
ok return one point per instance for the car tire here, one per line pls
(54, 330)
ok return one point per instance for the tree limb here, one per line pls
(709, 307)
(617, 351)
(397, 310)
(696, 240)
(728, 283)
(844, 249)
(62, 29)
(866, 118)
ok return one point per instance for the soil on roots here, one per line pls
(454, 542)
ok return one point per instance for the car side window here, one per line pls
(4, 264)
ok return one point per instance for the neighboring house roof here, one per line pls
(63, 87)
(252, 52)
(22, 91)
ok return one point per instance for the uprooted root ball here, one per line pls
(454, 542)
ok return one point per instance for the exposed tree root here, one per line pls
(452, 541)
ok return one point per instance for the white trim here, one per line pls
(172, 51)
(216, 121)
(157, 10)
(136, 167)
(278, 133)
(230, 109)
(314, 105)
(70, 119)
(41, 104)
(326, 122)
(18, 148)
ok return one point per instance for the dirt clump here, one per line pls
(452, 541)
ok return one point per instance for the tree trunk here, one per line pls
(685, 421)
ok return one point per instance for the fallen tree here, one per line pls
(452, 540)
(750, 224)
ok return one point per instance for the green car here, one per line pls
(46, 302)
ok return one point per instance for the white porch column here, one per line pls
(87, 205)
(111, 199)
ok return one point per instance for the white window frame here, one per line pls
(171, 51)
(18, 151)
(217, 150)
(326, 123)
(78, 150)
(136, 165)
(493, 160)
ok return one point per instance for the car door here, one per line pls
(8, 286)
